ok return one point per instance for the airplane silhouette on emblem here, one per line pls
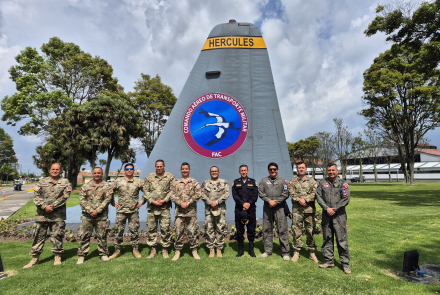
(221, 124)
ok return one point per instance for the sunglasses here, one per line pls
(129, 169)
(273, 169)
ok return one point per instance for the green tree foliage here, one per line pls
(48, 85)
(48, 154)
(105, 124)
(401, 88)
(306, 151)
(360, 151)
(154, 100)
(7, 153)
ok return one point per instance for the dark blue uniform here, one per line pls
(245, 192)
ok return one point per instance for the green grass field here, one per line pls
(384, 221)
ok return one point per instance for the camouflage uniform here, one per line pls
(182, 192)
(303, 189)
(215, 220)
(274, 189)
(335, 195)
(48, 193)
(94, 197)
(128, 198)
(158, 188)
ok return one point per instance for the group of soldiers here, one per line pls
(160, 189)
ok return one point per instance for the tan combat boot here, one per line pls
(211, 253)
(295, 256)
(165, 253)
(116, 254)
(326, 265)
(313, 257)
(347, 270)
(80, 260)
(176, 255)
(33, 261)
(136, 253)
(153, 253)
(219, 253)
(57, 260)
(195, 255)
(105, 258)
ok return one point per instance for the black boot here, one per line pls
(240, 250)
(251, 249)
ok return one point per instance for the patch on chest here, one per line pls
(326, 185)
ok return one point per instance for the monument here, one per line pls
(227, 113)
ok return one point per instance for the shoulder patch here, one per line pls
(345, 186)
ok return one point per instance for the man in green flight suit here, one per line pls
(333, 194)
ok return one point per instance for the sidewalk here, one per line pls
(14, 200)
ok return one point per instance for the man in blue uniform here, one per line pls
(245, 194)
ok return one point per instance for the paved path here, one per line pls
(14, 200)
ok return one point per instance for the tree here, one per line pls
(343, 140)
(49, 84)
(102, 162)
(154, 100)
(402, 86)
(375, 147)
(389, 151)
(47, 155)
(7, 153)
(325, 150)
(403, 102)
(360, 151)
(306, 151)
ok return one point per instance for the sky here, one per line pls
(317, 50)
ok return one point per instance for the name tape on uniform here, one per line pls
(234, 42)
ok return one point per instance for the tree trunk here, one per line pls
(109, 160)
(361, 179)
(389, 172)
(375, 171)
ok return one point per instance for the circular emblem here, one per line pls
(215, 125)
(326, 185)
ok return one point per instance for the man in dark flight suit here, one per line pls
(245, 194)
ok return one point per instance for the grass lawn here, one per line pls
(384, 221)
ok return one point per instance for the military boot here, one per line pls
(295, 256)
(57, 260)
(251, 249)
(176, 255)
(211, 253)
(240, 250)
(116, 254)
(165, 253)
(33, 261)
(313, 257)
(136, 253)
(80, 260)
(105, 258)
(219, 252)
(347, 270)
(153, 253)
(195, 255)
(327, 265)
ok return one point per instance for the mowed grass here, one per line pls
(384, 221)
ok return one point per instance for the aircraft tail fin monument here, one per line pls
(227, 113)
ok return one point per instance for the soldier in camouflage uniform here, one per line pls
(185, 192)
(157, 193)
(215, 192)
(127, 207)
(302, 190)
(273, 191)
(333, 195)
(50, 197)
(94, 198)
